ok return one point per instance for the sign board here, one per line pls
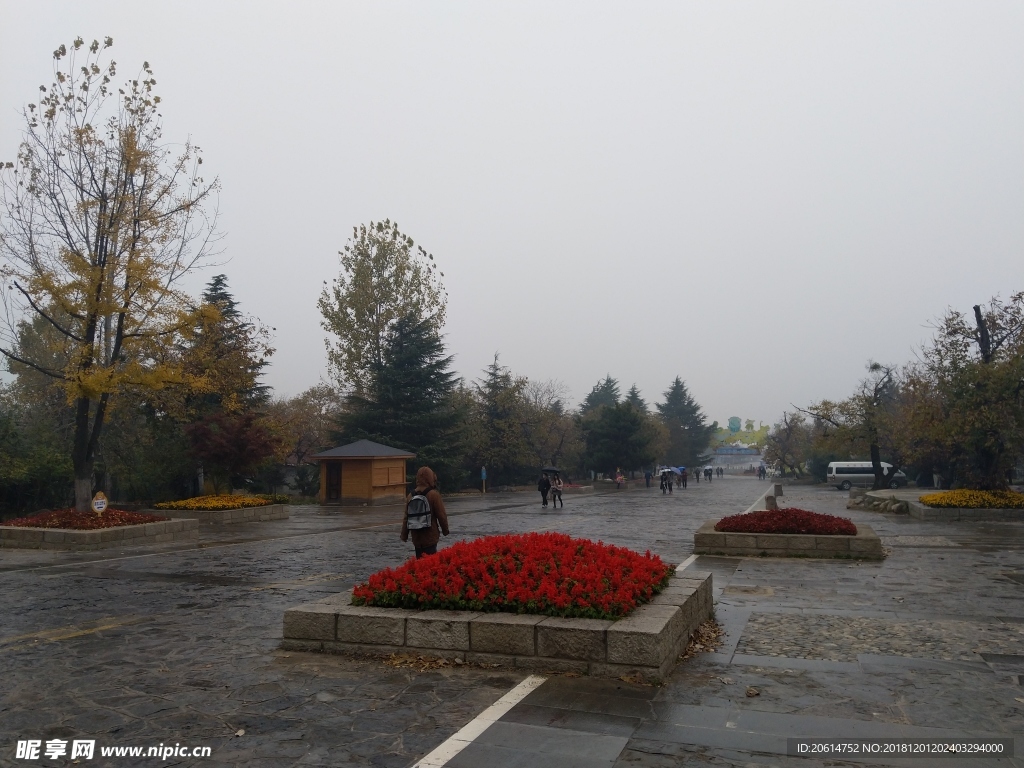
(483, 473)
(99, 503)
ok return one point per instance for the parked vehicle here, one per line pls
(846, 474)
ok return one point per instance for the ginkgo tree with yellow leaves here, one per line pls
(100, 221)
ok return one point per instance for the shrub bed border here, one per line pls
(864, 546)
(221, 516)
(102, 538)
(645, 644)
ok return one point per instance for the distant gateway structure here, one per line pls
(734, 458)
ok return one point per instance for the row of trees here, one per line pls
(956, 413)
(385, 313)
(124, 381)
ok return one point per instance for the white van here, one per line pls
(846, 474)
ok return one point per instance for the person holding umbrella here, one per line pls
(544, 485)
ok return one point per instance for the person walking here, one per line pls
(544, 485)
(619, 479)
(682, 477)
(647, 477)
(556, 491)
(664, 482)
(425, 500)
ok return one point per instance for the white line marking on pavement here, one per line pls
(682, 566)
(459, 741)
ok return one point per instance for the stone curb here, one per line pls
(103, 538)
(646, 644)
(922, 512)
(866, 545)
(227, 516)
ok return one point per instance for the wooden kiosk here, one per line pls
(363, 472)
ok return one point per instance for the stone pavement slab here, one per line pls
(181, 643)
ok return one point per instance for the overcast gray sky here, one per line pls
(755, 196)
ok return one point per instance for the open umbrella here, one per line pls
(551, 469)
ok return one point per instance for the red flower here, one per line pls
(83, 521)
(548, 573)
(791, 520)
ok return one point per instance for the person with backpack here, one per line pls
(544, 485)
(425, 516)
(556, 491)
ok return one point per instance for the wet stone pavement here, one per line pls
(179, 645)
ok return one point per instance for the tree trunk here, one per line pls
(83, 451)
(83, 490)
(881, 478)
(80, 458)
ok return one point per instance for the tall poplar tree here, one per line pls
(384, 276)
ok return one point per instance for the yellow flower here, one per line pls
(968, 499)
(215, 503)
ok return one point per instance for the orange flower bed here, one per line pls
(83, 521)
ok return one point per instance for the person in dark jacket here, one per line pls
(425, 540)
(544, 485)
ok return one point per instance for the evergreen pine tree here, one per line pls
(688, 430)
(605, 392)
(500, 439)
(634, 399)
(230, 351)
(622, 437)
(410, 401)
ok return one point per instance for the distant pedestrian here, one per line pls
(556, 491)
(544, 485)
(425, 516)
(682, 477)
(619, 479)
(647, 478)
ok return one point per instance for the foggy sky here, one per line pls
(758, 197)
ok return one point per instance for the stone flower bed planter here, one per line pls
(103, 538)
(923, 512)
(646, 643)
(885, 501)
(243, 515)
(864, 546)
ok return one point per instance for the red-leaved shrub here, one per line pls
(791, 520)
(546, 573)
(83, 521)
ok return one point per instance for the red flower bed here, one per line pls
(546, 573)
(83, 521)
(791, 520)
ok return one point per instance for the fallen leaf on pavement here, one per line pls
(752, 691)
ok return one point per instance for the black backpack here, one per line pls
(417, 513)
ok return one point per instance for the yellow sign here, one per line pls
(99, 503)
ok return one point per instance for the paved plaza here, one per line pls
(179, 645)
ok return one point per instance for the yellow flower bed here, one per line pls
(215, 503)
(975, 499)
